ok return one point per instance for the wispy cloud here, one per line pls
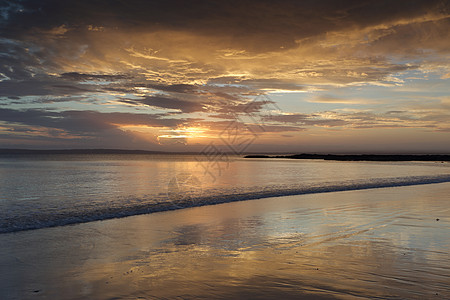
(95, 66)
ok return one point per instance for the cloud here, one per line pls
(82, 77)
(248, 22)
(332, 99)
(168, 103)
(84, 122)
(308, 120)
(119, 62)
(321, 43)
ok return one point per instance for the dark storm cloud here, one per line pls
(15, 60)
(168, 103)
(83, 122)
(40, 87)
(44, 36)
(133, 82)
(175, 88)
(259, 84)
(74, 83)
(219, 103)
(281, 22)
(248, 108)
(82, 77)
(406, 37)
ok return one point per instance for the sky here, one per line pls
(246, 76)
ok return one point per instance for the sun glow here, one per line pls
(186, 132)
(183, 135)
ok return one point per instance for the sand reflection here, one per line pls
(377, 243)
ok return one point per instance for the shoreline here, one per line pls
(338, 157)
(385, 243)
(362, 157)
(181, 204)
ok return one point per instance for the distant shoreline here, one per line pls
(336, 157)
(78, 151)
(361, 157)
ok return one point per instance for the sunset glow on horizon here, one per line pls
(319, 76)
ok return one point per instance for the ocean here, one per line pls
(39, 191)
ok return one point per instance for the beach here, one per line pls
(172, 149)
(386, 243)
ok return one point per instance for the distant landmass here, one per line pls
(361, 157)
(78, 151)
(338, 157)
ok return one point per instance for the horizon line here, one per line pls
(140, 151)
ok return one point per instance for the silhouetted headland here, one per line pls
(361, 157)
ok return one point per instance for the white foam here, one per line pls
(42, 219)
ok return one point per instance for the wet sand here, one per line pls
(390, 243)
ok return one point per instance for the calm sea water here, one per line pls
(51, 190)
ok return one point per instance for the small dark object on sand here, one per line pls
(437, 219)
